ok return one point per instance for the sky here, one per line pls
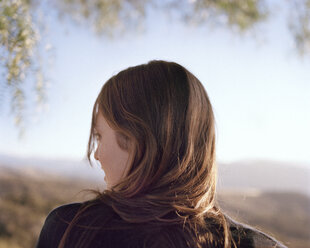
(258, 86)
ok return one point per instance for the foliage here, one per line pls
(18, 41)
(237, 14)
(299, 24)
(20, 32)
(108, 17)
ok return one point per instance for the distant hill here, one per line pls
(248, 174)
(65, 167)
(28, 194)
(265, 175)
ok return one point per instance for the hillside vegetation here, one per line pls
(26, 197)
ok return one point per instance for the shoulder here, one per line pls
(56, 223)
(91, 214)
(61, 215)
(64, 212)
(247, 236)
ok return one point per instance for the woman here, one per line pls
(153, 134)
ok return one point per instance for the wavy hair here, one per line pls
(163, 111)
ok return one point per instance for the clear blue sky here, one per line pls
(259, 88)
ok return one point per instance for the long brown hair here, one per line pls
(164, 112)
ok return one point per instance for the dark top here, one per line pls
(58, 219)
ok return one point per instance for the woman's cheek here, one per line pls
(101, 156)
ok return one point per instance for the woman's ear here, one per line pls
(123, 141)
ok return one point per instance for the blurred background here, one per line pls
(252, 56)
